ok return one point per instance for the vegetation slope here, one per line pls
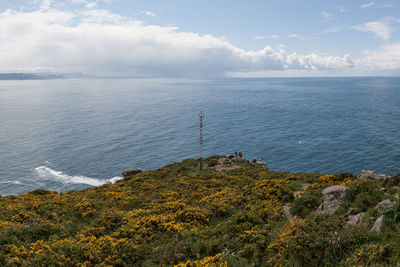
(178, 215)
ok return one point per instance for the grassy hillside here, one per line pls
(178, 215)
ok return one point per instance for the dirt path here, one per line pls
(286, 210)
(221, 168)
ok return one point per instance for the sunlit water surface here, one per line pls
(71, 134)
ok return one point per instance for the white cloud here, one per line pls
(274, 37)
(387, 57)
(392, 19)
(78, 1)
(332, 30)
(325, 14)
(267, 36)
(91, 5)
(97, 41)
(378, 28)
(44, 4)
(366, 5)
(148, 13)
(326, 17)
(297, 36)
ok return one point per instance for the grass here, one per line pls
(179, 215)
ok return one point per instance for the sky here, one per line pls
(201, 39)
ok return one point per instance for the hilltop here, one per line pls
(233, 213)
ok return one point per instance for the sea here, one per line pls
(69, 134)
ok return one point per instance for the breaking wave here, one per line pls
(50, 174)
(11, 182)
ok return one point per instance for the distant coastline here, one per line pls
(29, 76)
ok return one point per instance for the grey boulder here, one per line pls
(384, 204)
(368, 174)
(354, 219)
(379, 223)
(333, 196)
(131, 172)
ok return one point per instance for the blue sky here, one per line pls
(201, 38)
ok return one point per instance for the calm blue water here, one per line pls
(70, 134)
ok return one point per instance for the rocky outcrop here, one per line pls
(259, 162)
(333, 196)
(255, 161)
(131, 172)
(384, 204)
(379, 223)
(368, 174)
(298, 194)
(354, 219)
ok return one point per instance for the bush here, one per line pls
(41, 192)
(212, 162)
(344, 175)
(308, 203)
(392, 214)
(366, 194)
(393, 181)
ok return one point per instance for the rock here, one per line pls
(379, 223)
(222, 160)
(220, 168)
(241, 159)
(368, 174)
(132, 171)
(355, 219)
(384, 204)
(350, 211)
(397, 196)
(382, 176)
(298, 194)
(333, 197)
(258, 162)
(289, 216)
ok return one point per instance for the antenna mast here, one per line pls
(201, 115)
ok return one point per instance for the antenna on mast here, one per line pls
(201, 115)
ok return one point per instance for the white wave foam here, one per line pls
(115, 179)
(11, 182)
(50, 174)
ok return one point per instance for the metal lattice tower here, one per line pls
(201, 115)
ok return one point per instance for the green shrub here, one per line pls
(366, 194)
(392, 214)
(41, 192)
(306, 204)
(342, 176)
(393, 181)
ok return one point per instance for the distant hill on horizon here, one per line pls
(29, 76)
